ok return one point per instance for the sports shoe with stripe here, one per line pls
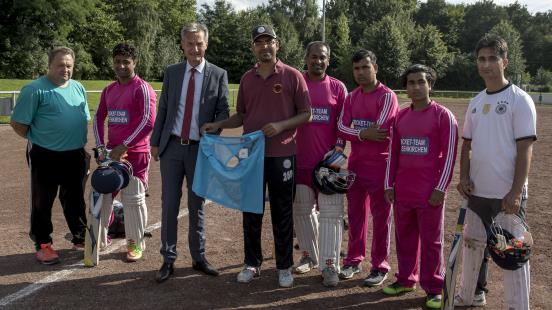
(305, 264)
(348, 271)
(434, 301)
(134, 252)
(248, 273)
(47, 255)
(479, 300)
(331, 278)
(396, 289)
(375, 278)
(285, 278)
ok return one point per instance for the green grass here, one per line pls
(93, 97)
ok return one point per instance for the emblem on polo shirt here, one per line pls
(287, 164)
(277, 88)
(501, 109)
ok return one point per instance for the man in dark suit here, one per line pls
(194, 92)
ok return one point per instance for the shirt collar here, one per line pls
(199, 68)
(277, 67)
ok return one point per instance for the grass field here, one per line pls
(93, 87)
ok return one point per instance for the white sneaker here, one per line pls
(304, 265)
(331, 278)
(479, 300)
(285, 278)
(248, 273)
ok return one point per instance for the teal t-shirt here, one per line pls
(57, 116)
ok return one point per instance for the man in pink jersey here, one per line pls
(314, 139)
(367, 114)
(419, 169)
(129, 106)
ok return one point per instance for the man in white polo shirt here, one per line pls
(499, 131)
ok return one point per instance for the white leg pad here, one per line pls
(331, 229)
(107, 208)
(516, 282)
(474, 243)
(133, 198)
(305, 220)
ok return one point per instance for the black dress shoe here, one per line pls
(166, 270)
(205, 267)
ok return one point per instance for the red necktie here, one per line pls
(187, 121)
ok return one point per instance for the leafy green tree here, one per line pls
(448, 18)
(385, 39)
(96, 38)
(341, 51)
(543, 79)
(303, 14)
(29, 28)
(427, 47)
(461, 74)
(480, 17)
(516, 63)
(227, 46)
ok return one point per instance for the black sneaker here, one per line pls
(375, 278)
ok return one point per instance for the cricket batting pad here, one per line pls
(306, 221)
(475, 241)
(133, 198)
(107, 208)
(516, 282)
(331, 229)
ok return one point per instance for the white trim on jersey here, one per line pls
(146, 115)
(386, 109)
(448, 167)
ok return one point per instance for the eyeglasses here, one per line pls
(263, 43)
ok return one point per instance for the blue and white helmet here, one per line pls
(111, 176)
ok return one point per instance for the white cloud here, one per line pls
(532, 5)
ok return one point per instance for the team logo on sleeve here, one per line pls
(118, 117)
(277, 88)
(415, 145)
(321, 115)
(362, 123)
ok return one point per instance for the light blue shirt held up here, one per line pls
(230, 171)
(57, 116)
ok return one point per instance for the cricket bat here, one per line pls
(452, 264)
(92, 238)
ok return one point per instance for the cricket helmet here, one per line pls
(111, 176)
(507, 251)
(329, 180)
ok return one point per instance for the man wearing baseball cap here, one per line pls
(273, 97)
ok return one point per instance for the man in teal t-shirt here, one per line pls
(52, 114)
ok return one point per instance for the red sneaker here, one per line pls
(47, 255)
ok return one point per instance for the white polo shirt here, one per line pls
(494, 122)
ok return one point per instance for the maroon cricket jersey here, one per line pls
(281, 96)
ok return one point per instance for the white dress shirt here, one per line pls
(194, 128)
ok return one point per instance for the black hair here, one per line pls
(495, 42)
(314, 43)
(431, 76)
(362, 53)
(125, 49)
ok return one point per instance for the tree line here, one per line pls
(400, 32)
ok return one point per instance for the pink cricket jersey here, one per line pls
(130, 113)
(315, 139)
(422, 153)
(360, 111)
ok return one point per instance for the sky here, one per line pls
(532, 5)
